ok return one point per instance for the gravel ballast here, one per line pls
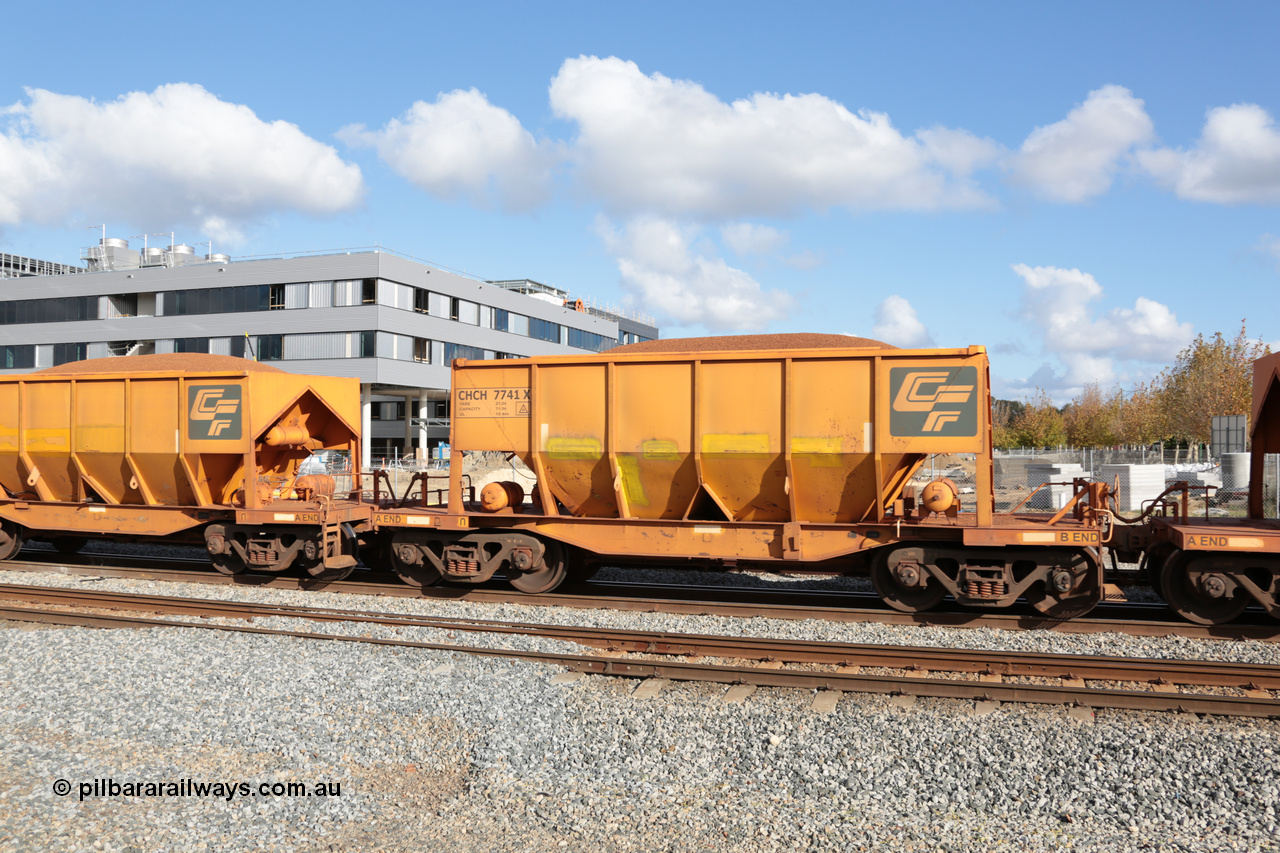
(438, 749)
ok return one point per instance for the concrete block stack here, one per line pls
(1054, 497)
(1138, 483)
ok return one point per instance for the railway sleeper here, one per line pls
(1061, 583)
(531, 564)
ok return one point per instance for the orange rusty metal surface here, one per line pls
(163, 439)
(1239, 535)
(99, 519)
(778, 436)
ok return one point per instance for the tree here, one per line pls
(1003, 414)
(1039, 425)
(1092, 419)
(1141, 416)
(1210, 377)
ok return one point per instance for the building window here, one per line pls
(277, 297)
(422, 350)
(49, 310)
(388, 411)
(452, 351)
(544, 330)
(588, 340)
(464, 311)
(218, 300)
(369, 291)
(421, 301)
(270, 347)
(500, 319)
(17, 356)
(190, 344)
(64, 353)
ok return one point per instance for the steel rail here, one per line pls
(1159, 671)
(587, 596)
(856, 682)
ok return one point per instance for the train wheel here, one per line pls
(223, 558)
(411, 566)
(904, 586)
(10, 540)
(1051, 603)
(1203, 597)
(547, 576)
(68, 544)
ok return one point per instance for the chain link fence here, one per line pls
(1140, 476)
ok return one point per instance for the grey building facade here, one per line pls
(394, 323)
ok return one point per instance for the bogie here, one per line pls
(1211, 589)
(529, 563)
(235, 548)
(1060, 583)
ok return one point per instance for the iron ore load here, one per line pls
(185, 448)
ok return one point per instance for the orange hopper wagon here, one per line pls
(189, 446)
(789, 456)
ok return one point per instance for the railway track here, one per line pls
(920, 672)
(1133, 618)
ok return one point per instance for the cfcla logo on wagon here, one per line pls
(213, 412)
(933, 402)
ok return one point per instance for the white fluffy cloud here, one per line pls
(898, 324)
(178, 155)
(666, 276)
(746, 238)
(1059, 302)
(1077, 158)
(648, 143)
(464, 146)
(1235, 161)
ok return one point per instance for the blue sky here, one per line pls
(1081, 189)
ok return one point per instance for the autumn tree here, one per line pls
(1092, 419)
(1003, 414)
(1210, 377)
(1141, 417)
(1039, 425)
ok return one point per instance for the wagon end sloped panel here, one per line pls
(296, 415)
